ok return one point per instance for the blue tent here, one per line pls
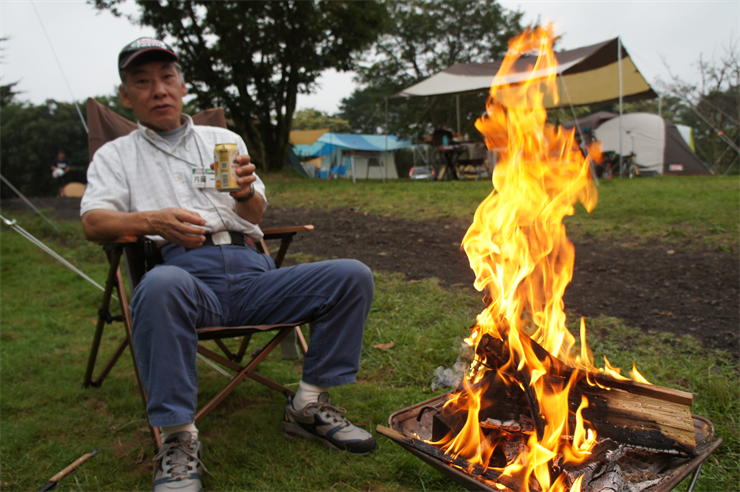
(345, 154)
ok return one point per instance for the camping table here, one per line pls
(451, 154)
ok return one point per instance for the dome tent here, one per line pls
(657, 144)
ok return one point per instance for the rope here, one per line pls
(60, 67)
(27, 201)
(13, 225)
(213, 365)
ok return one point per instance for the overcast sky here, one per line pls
(87, 43)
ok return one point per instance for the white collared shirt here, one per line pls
(141, 172)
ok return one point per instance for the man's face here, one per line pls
(154, 90)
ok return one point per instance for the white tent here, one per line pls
(658, 146)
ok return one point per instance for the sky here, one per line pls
(86, 43)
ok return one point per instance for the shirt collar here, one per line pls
(152, 136)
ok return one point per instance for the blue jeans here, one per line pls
(235, 286)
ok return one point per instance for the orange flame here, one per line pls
(523, 260)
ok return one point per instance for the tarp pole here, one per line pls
(578, 127)
(457, 101)
(619, 63)
(387, 130)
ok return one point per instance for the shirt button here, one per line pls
(179, 178)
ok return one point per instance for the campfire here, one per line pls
(533, 412)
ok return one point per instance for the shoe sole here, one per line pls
(294, 430)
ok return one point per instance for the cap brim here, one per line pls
(148, 50)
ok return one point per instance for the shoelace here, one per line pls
(332, 411)
(179, 468)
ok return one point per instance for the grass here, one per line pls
(688, 211)
(48, 317)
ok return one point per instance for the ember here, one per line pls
(532, 413)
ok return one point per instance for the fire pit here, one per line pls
(533, 413)
(412, 426)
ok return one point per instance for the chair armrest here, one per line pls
(282, 231)
(118, 240)
(285, 234)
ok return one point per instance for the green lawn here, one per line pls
(48, 317)
(695, 211)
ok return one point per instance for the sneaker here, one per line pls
(179, 468)
(321, 421)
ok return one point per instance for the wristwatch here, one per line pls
(242, 199)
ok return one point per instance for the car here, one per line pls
(426, 173)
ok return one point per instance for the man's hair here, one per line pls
(146, 59)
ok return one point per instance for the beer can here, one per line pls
(225, 157)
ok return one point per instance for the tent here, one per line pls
(359, 156)
(588, 75)
(658, 146)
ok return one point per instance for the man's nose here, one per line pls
(159, 88)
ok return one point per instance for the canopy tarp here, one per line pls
(590, 75)
(305, 137)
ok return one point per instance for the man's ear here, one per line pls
(123, 94)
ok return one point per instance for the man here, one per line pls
(59, 168)
(212, 275)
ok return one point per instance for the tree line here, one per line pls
(255, 58)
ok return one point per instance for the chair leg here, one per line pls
(128, 322)
(301, 340)
(245, 372)
(114, 258)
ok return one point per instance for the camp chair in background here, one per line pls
(105, 125)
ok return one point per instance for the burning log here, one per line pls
(629, 412)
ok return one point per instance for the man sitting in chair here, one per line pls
(140, 185)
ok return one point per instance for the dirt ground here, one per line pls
(693, 292)
(654, 287)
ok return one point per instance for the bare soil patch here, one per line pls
(653, 287)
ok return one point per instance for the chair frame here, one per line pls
(125, 247)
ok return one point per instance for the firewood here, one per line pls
(634, 413)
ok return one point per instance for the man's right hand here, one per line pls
(177, 225)
(174, 224)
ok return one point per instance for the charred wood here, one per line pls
(654, 417)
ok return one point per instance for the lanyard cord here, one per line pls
(202, 166)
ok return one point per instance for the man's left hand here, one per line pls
(245, 173)
(246, 177)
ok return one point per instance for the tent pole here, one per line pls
(619, 63)
(578, 127)
(457, 102)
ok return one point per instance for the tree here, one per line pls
(421, 38)
(712, 107)
(312, 119)
(7, 94)
(31, 136)
(254, 58)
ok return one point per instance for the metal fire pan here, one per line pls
(416, 421)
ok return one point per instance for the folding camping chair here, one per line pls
(138, 262)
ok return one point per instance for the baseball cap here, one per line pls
(143, 45)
